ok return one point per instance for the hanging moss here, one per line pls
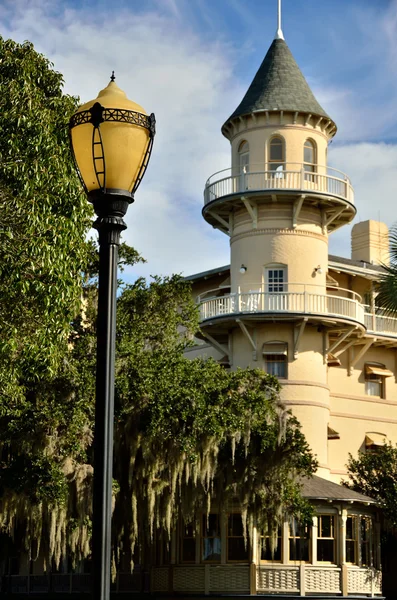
(188, 435)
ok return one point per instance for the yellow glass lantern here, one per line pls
(111, 138)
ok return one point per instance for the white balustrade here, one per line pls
(379, 323)
(305, 302)
(293, 177)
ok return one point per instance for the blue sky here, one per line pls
(190, 62)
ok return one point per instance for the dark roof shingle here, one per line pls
(317, 488)
(279, 85)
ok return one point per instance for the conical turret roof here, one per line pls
(279, 85)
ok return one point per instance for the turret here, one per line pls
(278, 202)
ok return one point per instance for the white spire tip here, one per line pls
(279, 33)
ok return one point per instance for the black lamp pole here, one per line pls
(110, 206)
(110, 210)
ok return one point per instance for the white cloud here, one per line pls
(165, 67)
(188, 80)
(372, 167)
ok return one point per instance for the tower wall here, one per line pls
(260, 131)
(275, 241)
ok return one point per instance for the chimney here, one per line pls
(370, 242)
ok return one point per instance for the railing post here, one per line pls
(253, 591)
(302, 186)
(207, 580)
(345, 580)
(302, 579)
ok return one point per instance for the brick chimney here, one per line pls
(370, 242)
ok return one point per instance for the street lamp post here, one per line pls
(111, 139)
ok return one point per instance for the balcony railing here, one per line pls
(294, 298)
(377, 322)
(290, 176)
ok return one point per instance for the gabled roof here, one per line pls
(279, 85)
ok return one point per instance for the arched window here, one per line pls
(276, 154)
(309, 156)
(244, 157)
(243, 164)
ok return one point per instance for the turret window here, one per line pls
(244, 164)
(244, 157)
(309, 159)
(276, 280)
(275, 355)
(276, 154)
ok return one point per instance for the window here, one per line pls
(276, 364)
(375, 379)
(326, 538)
(276, 154)
(243, 164)
(276, 280)
(275, 356)
(309, 159)
(299, 541)
(211, 538)
(162, 549)
(374, 440)
(366, 539)
(237, 549)
(351, 539)
(266, 547)
(244, 156)
(188, 543)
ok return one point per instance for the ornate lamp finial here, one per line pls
(113, 77)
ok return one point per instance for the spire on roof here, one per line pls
(279, 33)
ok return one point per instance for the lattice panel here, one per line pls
(360, 581)
(280, 580)
(189, 579)
(160, 579)
(229, 579)
(322, 580)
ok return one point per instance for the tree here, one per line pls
(375, 475)
(189, 432)
(387, 285)
(44, 218)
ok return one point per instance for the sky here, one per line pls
(191, 62)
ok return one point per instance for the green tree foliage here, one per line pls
(44, 217)
(187, 432)
(43, 214)
(375, 475)
(387, 286)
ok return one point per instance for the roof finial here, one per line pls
(113, 77)
(279, 33)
